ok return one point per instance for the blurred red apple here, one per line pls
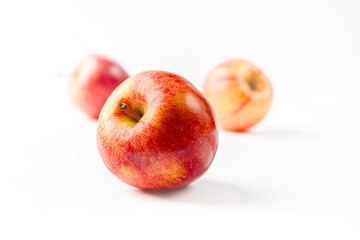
(93, 81)
(240, 94)
(157, 132)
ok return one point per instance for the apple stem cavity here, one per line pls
(125, 108)
(256, 83)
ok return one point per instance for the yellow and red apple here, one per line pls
(240, 94)
(157, 132)
(92, 82)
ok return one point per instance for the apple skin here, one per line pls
(240, 94)
(92, 82)
(173, 143)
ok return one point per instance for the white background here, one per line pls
(294, 176)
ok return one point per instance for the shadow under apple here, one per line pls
(206, 192)
(281, 133)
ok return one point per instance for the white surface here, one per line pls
(294, 176)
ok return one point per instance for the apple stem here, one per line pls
(125, 108)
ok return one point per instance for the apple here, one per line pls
(156, 131)
(240, 94)
(92, 82)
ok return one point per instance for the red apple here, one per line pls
(157, 132)
(93, 81)
(240, 94)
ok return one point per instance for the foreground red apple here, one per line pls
(240, 94)
(157, 132)
(93, 81)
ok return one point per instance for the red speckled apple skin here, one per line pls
(93, 81)
(174, 142)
